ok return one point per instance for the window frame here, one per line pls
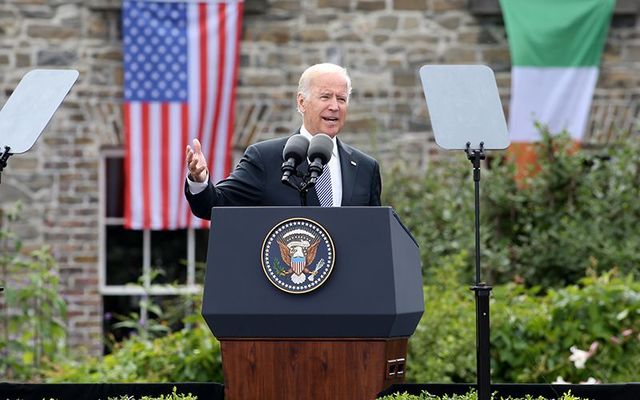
(147, 289)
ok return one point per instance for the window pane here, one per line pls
(114, 192)
(168, 256)
(173, 309)
(116, 309)
(124, 255)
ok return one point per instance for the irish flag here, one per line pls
(556, 46)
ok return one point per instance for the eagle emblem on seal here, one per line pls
(298, 255)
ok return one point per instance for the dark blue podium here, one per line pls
(342, 337)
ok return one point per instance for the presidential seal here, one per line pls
(298, 255)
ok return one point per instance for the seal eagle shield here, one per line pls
(298, 255)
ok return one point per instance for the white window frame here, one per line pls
(147, 289)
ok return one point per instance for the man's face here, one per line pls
(325, 110)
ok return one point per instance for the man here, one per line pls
(322, 99)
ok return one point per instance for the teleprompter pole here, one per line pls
(481, 289)
(4, 157)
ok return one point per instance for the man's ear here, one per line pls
(300, 101)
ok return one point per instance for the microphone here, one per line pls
(320, 150)
(294, 152)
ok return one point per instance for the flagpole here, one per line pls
(481, 289)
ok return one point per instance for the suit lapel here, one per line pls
(349, 169)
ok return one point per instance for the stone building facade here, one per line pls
(381, 42)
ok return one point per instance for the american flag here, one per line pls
(180, 68)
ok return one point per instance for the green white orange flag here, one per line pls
(556, 46)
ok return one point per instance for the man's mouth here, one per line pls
(330, 119)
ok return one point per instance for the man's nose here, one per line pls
(333, 104)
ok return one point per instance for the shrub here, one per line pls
(173, 396)
(579, 211)
(532, 331)
(437, 208)
(472, 395)
(189, 355)
(443, 347)
(532, 335)
(32, 328)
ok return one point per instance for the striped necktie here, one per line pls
(323, 187)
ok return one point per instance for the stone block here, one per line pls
(289, 6)
(404, 77)
(56, 57)
(362, 124)
(36, 11)
(98, 29)
(52, 31)
(23, 60)
(632, 53)
(314, 35)
(262, 77)
(275, 33)
(387, 22)
(108, 54)
(415, 5)
(348, 36)
(379, 39)
(447, 5)
(370, 5)
(319, 19)
(410, 22)
(343, 5)
(449, 21)
(459, 55)
(495, 56)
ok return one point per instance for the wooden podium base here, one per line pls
(311, 369)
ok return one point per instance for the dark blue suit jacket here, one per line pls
(256, 181)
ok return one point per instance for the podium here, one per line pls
(340, 332)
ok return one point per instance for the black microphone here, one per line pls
(294, 152)
(320, 151)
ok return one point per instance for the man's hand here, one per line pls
(196, 162)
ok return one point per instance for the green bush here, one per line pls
(189, 355)
(472, 395)
(532, 331)
(437, 208)
(173, 396)
(532, 334)
(32, 328)
(579, 211)
(443, 347)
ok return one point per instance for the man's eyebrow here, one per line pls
(327, 91)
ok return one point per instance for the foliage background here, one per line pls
(559, 249)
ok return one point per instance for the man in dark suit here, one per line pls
(322, 99)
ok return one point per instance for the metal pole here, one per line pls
(482, 291)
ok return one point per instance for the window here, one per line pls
(139, 268)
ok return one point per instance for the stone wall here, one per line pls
(381, 42)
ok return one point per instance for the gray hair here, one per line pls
(317, 69)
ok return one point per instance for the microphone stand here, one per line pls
(303, 188)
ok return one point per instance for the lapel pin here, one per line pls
(353, 163)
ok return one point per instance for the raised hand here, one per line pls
(196, 163)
